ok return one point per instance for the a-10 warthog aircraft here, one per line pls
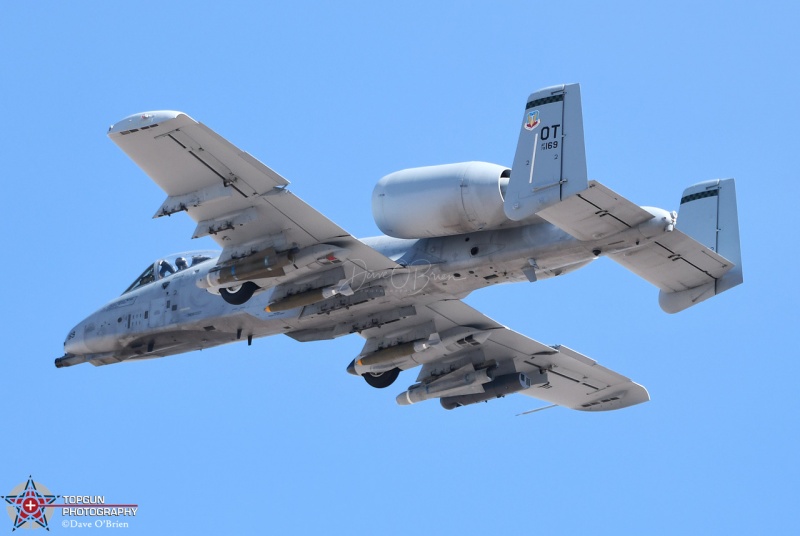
(452, 229)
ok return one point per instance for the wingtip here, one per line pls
(626, 396)
(143, 120)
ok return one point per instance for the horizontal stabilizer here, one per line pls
(699, 258)
(675, 262)
(689, 264)
(595, 213)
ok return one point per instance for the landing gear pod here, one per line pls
(383, 379)
(239, 294)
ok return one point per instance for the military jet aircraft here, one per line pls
(451, 229)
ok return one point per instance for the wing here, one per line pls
(242, 204)
(468, 357)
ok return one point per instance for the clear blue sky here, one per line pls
(276, 438)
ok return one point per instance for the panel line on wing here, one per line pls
(677, 256)
(192, 149)
(551, 371)
(227, 181)
(601, 212)
(173, 138)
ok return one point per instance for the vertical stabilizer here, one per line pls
(708, 214)
(550, 162)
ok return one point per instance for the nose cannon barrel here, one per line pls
(69, 359)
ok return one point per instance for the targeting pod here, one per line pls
(499, 387)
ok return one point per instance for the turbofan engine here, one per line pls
(441, 200)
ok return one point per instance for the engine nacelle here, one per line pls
(441, 200)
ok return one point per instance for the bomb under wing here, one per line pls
(270, 264)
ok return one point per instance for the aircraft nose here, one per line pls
(75, 343)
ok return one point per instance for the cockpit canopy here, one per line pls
(171, 264)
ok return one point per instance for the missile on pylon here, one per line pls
(448, 342)
(465, 380)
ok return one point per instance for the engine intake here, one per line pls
(441, 200)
